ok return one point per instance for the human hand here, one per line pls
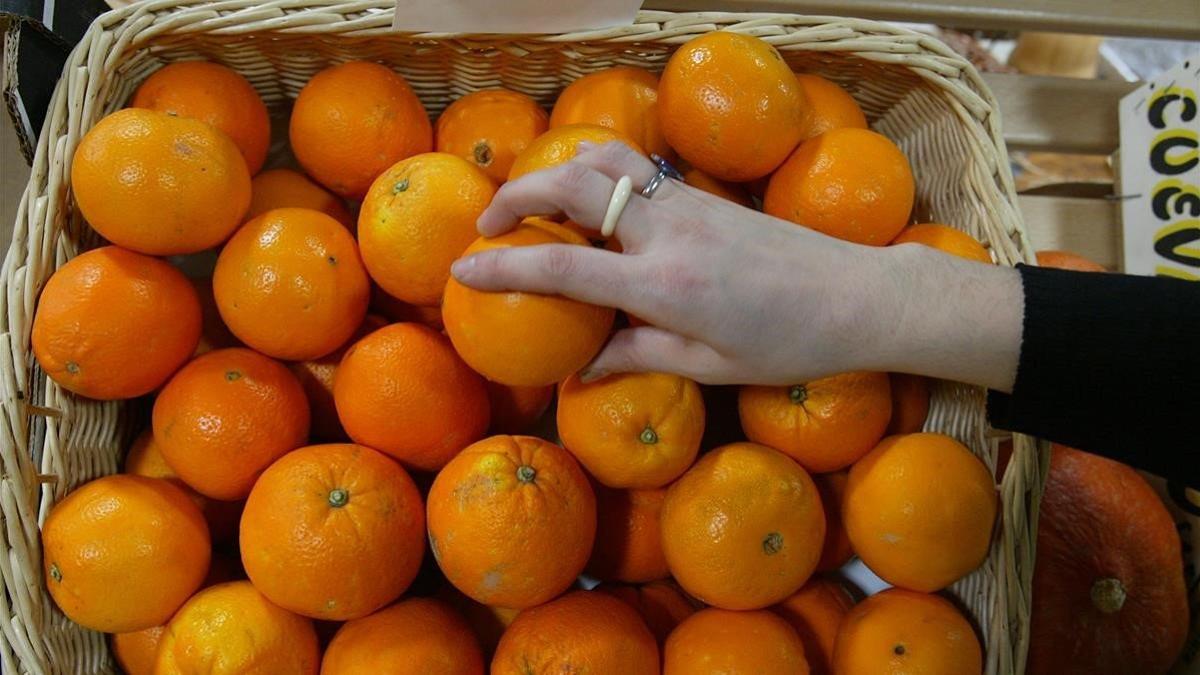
(737, 296)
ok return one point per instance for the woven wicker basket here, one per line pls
(913, 88)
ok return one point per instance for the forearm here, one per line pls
(944, 317)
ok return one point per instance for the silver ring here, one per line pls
(665, 171)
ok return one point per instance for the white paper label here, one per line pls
(512, 16)
(1160, 174)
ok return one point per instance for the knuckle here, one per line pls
(572, 177)
(559, 261)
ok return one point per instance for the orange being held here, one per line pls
(114, 324)
(632, 430)
(816, 612)
(581, 632)
(285, 188)
(489, 129)
(628, 536)
(829, 107)
(1065, 260)
(662, 604)
(897, 632)
(779, 532)
(524, 339)
(159, 184)
(910, 403)
(825, 424)
(215, 95)
(560, 144)
(717, 640)
(852, 184)
(417, 218)
(515, 410)
(225, 417)
(730, 106)
(416, 636)
(317, 376)
(919, 510)
(403, 390)
(290, 284)
(621, 98)
(354, 120)
(946, 239)
(511, 520)
(232, 628)
(122, 553)
(837, 550)
(333, 531)
(732, 191)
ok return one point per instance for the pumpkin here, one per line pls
(1108, 587)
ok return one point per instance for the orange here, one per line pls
(402, 312)
(559, 145)
(352, 121)
(487, 623)
(159, 184)
(944, 238)
(621, 98)
(897, 632)
(721, 641)
(225, 417)
(145, 458)
(919, 510)
(825, 424)
(489, 129)
(628, 537)
(136, 651)
(702, 181)
(524, 339)
(581, 632)
(730, 106)
(816, 612)
(516, 410)
(837, 550)
(290, 284)
(333, 531)
(418, 636)
(1066, 260)
(829, 107)
(743, 528)
(416, 219)
(114, 324)
(636, 430)
(317, 375)
(662, 604)
(230, 629)
(404, 391)
(910, 403)
(122, 553)
(280, 188)
(852, 184)
(511, 520)
(214, 334)
(215, 95)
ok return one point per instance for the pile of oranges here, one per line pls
(425, 533)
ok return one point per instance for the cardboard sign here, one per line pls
(1160, 174)
(512, 16)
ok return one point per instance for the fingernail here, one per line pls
(463, 268)
(583, 146)
(590, 374)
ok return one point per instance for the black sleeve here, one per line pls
(1110, 364)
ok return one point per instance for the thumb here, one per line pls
(653, 349)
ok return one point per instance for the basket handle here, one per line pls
(512, 16)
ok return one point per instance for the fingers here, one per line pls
(653, 349)
(615, 160)
(581, 272)
(574, 188)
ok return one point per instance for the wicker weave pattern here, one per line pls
(913, 88)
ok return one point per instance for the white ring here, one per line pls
(616, 204)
